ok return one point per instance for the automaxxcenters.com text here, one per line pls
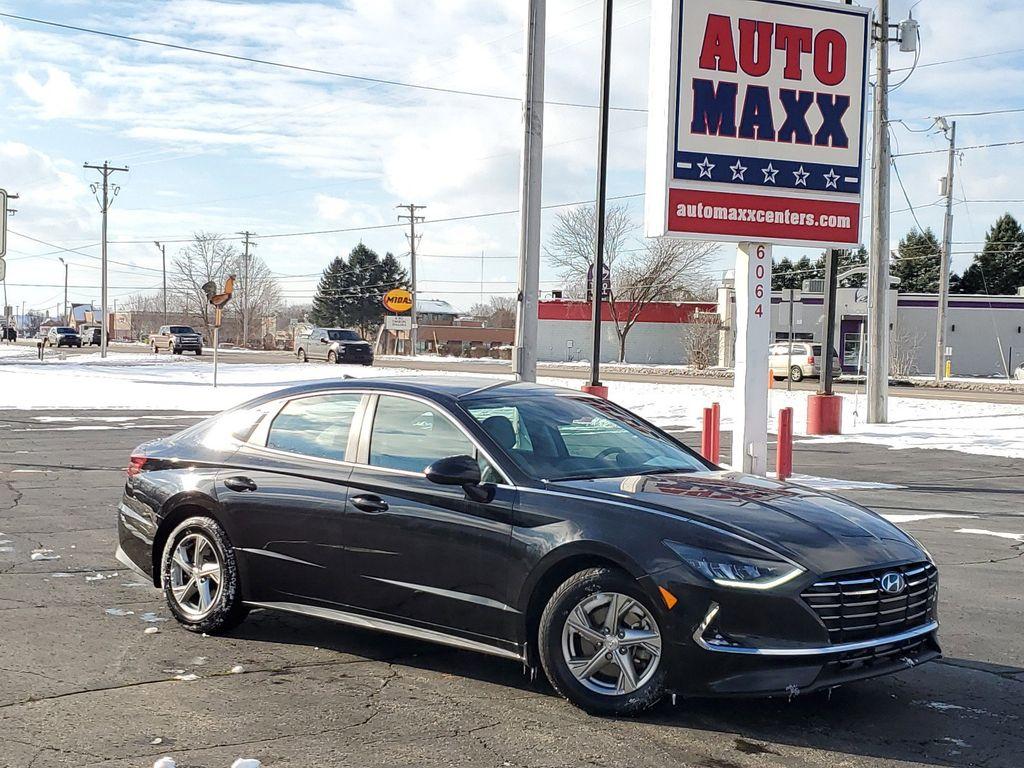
(762, 216)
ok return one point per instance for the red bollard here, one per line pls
(784, 448)
(707, 434)
(716, 436)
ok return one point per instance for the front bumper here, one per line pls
(187, 346)
(730, 642)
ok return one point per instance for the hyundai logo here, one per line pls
(893, 582)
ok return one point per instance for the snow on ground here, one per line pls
(167, 383)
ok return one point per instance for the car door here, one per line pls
(284, 499)
(423, 553)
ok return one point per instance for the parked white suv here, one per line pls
(805, 361)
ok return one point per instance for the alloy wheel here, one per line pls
(611, 643)
(197, 575)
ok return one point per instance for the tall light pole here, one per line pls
(413, 220)
(524, 357)
(245, 287)
(947, 256)
(163, 260)
(104, 199)
(61, 258)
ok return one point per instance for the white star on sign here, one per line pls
(769, 174)
(738, 170)
(801, 176)
(831, 179)
(705, 168)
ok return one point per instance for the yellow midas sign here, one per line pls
(398, 300)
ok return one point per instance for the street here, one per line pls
(83, 684)
(610, 372)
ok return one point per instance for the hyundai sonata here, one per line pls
(531, 523)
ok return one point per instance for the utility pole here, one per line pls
(878, 274)
(595, 386)
(413, 219)
(163, 260)
(524, 357)
(107, 170)
(245, 287)
(947, 256)
(61, 258)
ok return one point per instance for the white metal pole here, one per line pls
(878, 274)
(524, 358)
(753, 332)
(216, 345)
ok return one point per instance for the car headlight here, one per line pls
(738, 571)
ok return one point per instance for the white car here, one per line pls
(805, 361)
(1019, 373)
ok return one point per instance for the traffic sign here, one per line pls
(398, 300)
(756, 129)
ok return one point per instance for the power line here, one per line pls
(297, 67)
(962, 149)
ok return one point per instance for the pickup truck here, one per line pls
(176, 339)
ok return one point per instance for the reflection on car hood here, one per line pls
(822, 532)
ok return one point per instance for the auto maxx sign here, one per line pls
(757, 121)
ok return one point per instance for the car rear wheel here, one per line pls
(796, 373)
(200, 577)
(600, 644)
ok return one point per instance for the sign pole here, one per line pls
(595, 386)
(750, 390)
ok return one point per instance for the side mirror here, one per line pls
(461, 470)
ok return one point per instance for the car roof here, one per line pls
(453, 387)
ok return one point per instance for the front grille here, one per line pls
(854, 607)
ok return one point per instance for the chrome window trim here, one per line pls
(392, 627)
(859, 645)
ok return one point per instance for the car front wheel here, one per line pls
(600, 644)
(200, 577)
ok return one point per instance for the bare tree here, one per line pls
(700, 339)
(904, 346)
(141, 309)
(206, 258)
(499, 312)
(642, 270)
(257, 296)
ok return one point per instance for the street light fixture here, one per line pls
(66, 320)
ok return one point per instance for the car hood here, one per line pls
(822, 532)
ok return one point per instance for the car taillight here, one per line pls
(135, 465)
(810, 359)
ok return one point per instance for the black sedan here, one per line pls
(527, 522)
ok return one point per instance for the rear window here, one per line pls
(315, 426)
(181, 329)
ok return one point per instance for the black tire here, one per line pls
(332, 358)
(228, 611)
(199, 352)
(796, 373)
(176, 351)
(303, 356)
(156, 350)
(549, 643)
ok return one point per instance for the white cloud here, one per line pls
(57, 96)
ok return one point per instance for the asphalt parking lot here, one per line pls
(83, 684)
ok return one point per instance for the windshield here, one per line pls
(343, 336)
(578, 438)
(181, 329)
(65, 330)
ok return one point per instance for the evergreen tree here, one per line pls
(782, 274)
(350, 292)
(999, 268)
(918, 263)
(848, 259)
(330, 294)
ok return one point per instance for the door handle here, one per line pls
(369, 503)
(240, 484)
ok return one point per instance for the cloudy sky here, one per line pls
(224, 146)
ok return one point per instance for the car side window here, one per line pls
(315, 426)
(410, 435)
